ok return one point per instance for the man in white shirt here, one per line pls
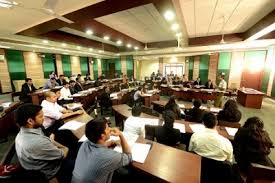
(137, 96)
(209, 143)
(134, 124)
(53, 111)
(65, 92)
(222, 87)
(222, 84)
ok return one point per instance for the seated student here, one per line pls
(209, 84)
(72, 87)
(230, 112)
(209, 143)
(53, 112)
(134, 124)
(105, 99)
(138, 96)
(78, 86)
(198, 81)
(61, 80)
(34, 150)
(144, 88)
(252, 144)
(195, 114)
(51, 83)
(78, 78)
(166, 134)
(96, 162)
(26, 89)
(153, 75)
(173, 106)
(65, 92)
(97, 83)
(87, 78)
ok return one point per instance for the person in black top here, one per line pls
(97, 83)
(195, 114)
(105, 99)
(252, 144)
(78, 85)
(230, 112)
(197, 82)
(166, 134)
(72, 87)
(87, 78)
(61, 80)
(173, 106)
(26, 89)
(209, 84)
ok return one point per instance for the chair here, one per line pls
(229, 124)
(150, 132)
(260, 174)
(14, 94)
(148, 110)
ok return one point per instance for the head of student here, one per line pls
(72, 83)
(66, 85)
(172, 100)
(61, 76)
(53, 80)
(136, 110)
(50, 96)
(230, 105)
(57, 92)
(79, 76)
(98, 130)
(28, 81)
(169, 118)
(197, 103)
(209, 120)
(29, 116)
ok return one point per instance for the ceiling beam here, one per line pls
(163, 44)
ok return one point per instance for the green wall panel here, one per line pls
(16, 65)
(130, 65)
(191, 67)
(203, 68)
(48, 64)
(224, 65)
(84, 66)
(273, 88)
(66, 65)
(95, 68)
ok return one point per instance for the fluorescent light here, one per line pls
(45, 41)
(89, 32)
(91, 49)
(98, 58)
(263, 32)
(175, 27)
(1, 46)
(129, 45)
(106, 38)
(78, 47)
(119, 42)
(7, 4)
(65, 53)
(64, 44)
(136, 48)
(100, 51)
(169, 15)
(117, 54)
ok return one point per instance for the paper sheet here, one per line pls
(71, 125)
(6, 104)
(197, 127)
(150, 121)
(181, 105)
(140, 152)
(76, 95)
(130, 138)
(231, 131)
(215, 109)
(147, 95)
(112, 95)
(180, 126)
(83, 138)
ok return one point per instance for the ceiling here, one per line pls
(205, 17)
(135, 22)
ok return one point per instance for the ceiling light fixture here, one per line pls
(175, 27)
(78, 47)
(7, 4)
(136, 48)
(106, 38)
(169, 15)
(129, 45)
(45, 41)
(222, 40)
(91, 49)
(64, 44)
(100, 51)
(89, 32)
(119, 42)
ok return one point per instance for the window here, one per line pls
(175, 68)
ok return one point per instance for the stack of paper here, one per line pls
(76, 95)
(231, 131)
(181, 106)
(215, 109)
(197, 127)
(71, 125)
(6, 104)
(147, 95)
(203, 107)
(150, 121)
(140, 152)
(180, 126)
(83, 138)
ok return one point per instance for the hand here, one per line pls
(52, 136)
(79, 112)
(110, 144)
(115, 132)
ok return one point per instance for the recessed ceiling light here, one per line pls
(2, 46)
(89, 32)
(119, 42)
(64, 44)
(100, 51)
(7, 4)
(136, 48)
(117, 54)
(106, 38)
(129, 45)
(45, 41)
(78, 47)
(175, 27)
(169, 15)
(91, 49)
(65, 53)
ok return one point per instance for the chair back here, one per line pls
(229, 124)
(148, 110)
(260, 174)
(150, 132)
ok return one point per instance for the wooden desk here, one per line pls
(37, 96)
(250, 98)
(149, 99)
(168, 164)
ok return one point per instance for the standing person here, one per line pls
(222, 87)
(26, 89)
(95, 161)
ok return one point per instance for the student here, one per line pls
(95, 161)
(195, 114)
(209, 84)
(72, 87)
(61, 80)
(173, 106)
(51, 83)
(34, 150)
(134, 124)
(26, 89)
(252, 144)
(230, 112)
(138, 96)
(209, 143)
(167, 134)
(87, 78)
(105, 99)
(78, 86)
(198, 81)
(65, 92)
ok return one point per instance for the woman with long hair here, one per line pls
(173, 106)
(230, 112)
(252, 144)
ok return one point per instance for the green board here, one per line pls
(16, 65)
(191, 68)
(203, 68)
(48, 64)
(224, 65)
(130, 66)
(66, 65)
(95, 68)
(84, 66)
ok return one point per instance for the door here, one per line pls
(112, 70)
